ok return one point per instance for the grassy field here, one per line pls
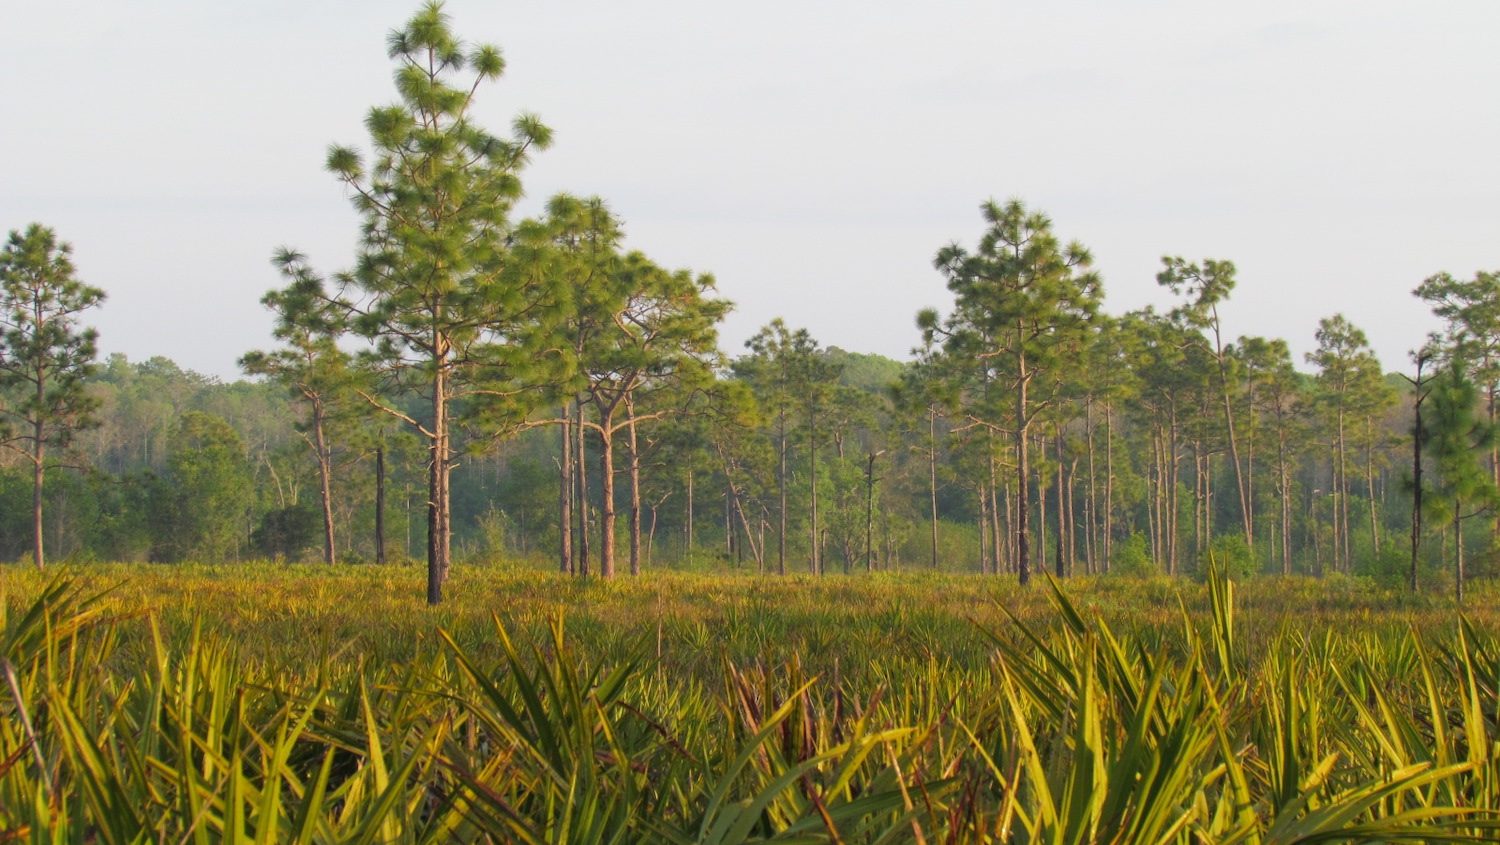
(273, 703)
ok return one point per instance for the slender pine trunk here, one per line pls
(325, 481)
(439, 547)
(581, 486)
(380, 504)
(565, 495)
(635, 497)
(607, 511)
(932, 478)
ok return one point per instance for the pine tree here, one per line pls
(658, 332)
(312, 367)
(1457, 439)
(454, 313)
(1018, 297)
(1470, 310)
(786, 372)
(46, 357)
(1348, 374)
(1206, 285)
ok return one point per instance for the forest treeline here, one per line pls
(481, 386)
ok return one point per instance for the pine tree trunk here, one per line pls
(325, 481)
(1173, 467)
(870, 515)
(1023, 475)
(1071, 497)
(1200, 520)
(1284, 492)
(1250, 470)
(1458, 552)
(1091, 504)
(380, 504)
(606, 494)
(1341, 518)
(688, 528)
(38, 480)
(581, 485)
(1494, 456)
(1007, 524)
(439, 545)
(812, 456)
(781, 493)
(651, 536)
(635, 497)
(984, 529)
(993, 526)
(932, 478)
(1416, 491)
(565, 496)
(1234, 448)
(1153, 511)
(1063, 563)
(1370, 487)
(1041, 508)
(1109, 485)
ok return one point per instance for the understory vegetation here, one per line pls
(271, 703)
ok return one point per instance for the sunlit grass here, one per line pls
(275, 703)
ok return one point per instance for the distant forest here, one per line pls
(477, 386)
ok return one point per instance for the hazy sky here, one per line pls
(812, 155)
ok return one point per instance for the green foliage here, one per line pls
(1132, 556)
(285, 533)
(1230, 554)
(46, 357)
(201, 507)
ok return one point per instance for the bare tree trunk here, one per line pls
(1284, 492)
(581, 500)
(1153, 513)
(984, 523)
(439, 548)
(996, 539)
(781, 493)
(1063, 563)
(1173, 467)
(606, 494)
(1370, 486)
(325, 481)
(1341, 511)
(870, 514)
(1416, 491)
(380, 504)
(1200, 518)
(38, 479)
(1109, 484)
(1458, 549)
(1041, 507)
(812, 456)
(565, 496)
(1234, 448)
(1494, 456)
(1007, 533)
(635, 497)
(932, 477)
(1023, 473)
(689, 526)
(651, 536)
(1091, 503)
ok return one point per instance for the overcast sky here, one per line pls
(812, 155)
